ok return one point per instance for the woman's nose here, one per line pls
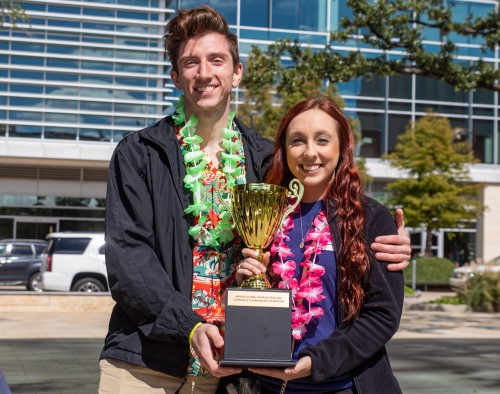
(310, 151)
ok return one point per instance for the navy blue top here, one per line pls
(317, 329)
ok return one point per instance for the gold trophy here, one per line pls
(258, 210)
(258, 318)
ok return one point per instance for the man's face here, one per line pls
(206, 74)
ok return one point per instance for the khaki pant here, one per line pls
(119, 377)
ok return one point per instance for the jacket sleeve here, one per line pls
(139, 282)
(352, 344)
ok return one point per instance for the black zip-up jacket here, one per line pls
(358, 348)
(148, 250)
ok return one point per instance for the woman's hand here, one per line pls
(394, 248)
(250, 264)
(300, 370)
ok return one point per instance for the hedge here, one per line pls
(430, 271)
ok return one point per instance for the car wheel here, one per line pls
(88, 285)
(34, 282)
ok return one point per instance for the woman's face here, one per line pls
(312, 151)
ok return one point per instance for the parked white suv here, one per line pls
(74, 262)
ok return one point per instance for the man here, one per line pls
(170, 247)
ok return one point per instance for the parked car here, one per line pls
(20, 262)
(74, 261)
(461, 275)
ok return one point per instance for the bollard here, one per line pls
(414, 274)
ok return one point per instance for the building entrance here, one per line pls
(31, 229)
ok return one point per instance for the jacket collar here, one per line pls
(162, 135)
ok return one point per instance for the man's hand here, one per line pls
(300, 370)
(208, 343)
(394, 248)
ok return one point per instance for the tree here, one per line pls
(11, 12)
(437, 192)
(398, 30)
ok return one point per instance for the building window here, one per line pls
(254, 13)
(305, 15)
(225, 7)
(372, 126)
(482, 140)
(398, 124)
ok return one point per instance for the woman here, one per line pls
(346, 306)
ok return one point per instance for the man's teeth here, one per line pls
(310, 168)
(205, 88)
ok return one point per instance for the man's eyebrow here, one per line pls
(212, 54)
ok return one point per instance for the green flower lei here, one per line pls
(196, 162)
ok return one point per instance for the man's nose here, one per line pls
(204, 70)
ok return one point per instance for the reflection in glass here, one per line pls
(21, 88)
(482, 140)
(430, 89)
(95, 135)
(66, 104)
(25, 116)
(120, 134)
(299, 15)
(61, 118)
(400, 86)
(398, 124)
(95, 119)
(372, 126)
(61, 77)
(25, 102)
(60, 133)
(96, 106)
(255, 13)
(25, 131)
(73, 64)
(6, 228)
(226, 8)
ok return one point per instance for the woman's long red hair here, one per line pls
(343, 198)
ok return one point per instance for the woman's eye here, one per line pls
(295, 141)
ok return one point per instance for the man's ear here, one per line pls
(175, 79)
(237, 75)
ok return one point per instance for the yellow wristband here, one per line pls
(190, 338)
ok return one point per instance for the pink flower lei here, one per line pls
(309, 287)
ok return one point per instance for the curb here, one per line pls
(56, 302)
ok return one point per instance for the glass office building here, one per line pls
(82, 74)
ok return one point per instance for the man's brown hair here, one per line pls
(197, 22)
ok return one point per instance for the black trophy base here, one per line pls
(258, 328)
(256, 363)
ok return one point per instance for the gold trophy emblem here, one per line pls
(258, 210)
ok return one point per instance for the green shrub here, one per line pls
(430, 271)
(456, 299)
(409, 291)
(483, 292)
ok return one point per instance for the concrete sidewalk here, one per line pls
(435, 351)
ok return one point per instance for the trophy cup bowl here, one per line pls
(258, 210)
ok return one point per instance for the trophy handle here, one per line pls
(296, 191)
